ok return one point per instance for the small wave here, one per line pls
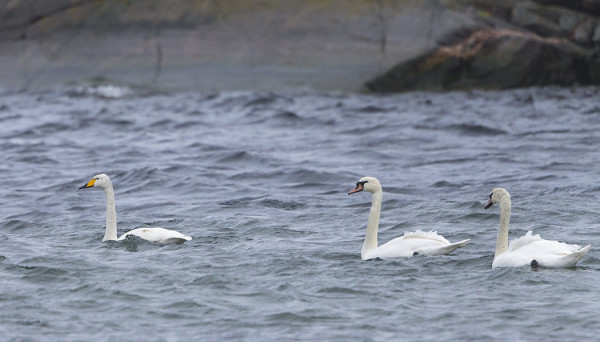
(37, 160)
(237, 157)
(281, 232)
(188, 304)
(253, 175)
(476, 130)
(342, 290)
(188, 124)
(470, 204)
(14, 225)
(554, 166)
(544, 131)
(593, 110)
(444, 184)
(307, 185)
(373, 109)
(306, 316)
(263, 100)
(289, 178)
(52, 127)
(285, 205)
(118, 122)
(162, 123)
(132, 179)
(10, 117)
(212, 280)
(107, 89)
(39, 131)
(239, 201)
(123, 295)
(309, 176)
(545, 178)
(287, 115)
(364, 129)
(446, 161)
(44, 274)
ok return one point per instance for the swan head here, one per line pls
(98, 181)
(498, 195)
(370, 184)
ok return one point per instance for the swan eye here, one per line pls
(491, 195)
(362, 184)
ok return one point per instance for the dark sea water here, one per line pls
(259, 180)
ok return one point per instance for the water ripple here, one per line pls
(260, 181)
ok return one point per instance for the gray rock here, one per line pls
(321, 44)
(491, 59)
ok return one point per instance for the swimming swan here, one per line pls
(529, 249)
(418, 242)
(158, 235)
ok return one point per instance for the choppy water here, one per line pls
(259, 180)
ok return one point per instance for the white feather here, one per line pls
(524, 250)
(156, 235)
(420, 242)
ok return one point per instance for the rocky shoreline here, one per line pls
(332, 45)
(525, 43)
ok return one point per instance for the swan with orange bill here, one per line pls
(412, 243)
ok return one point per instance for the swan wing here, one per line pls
(426, 243)
(547, 253)
(442, 250)
(157, 235)
(400, 247)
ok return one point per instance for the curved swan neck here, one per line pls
(502, 239)
(111, 215)
(370, 243)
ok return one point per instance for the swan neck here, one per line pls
(370, 243)
(502, 240)
(111, 215)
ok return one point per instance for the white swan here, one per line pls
(157, 235)
(529, 249)
(418, 242)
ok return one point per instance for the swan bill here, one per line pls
(408, 245)
(359, 187)
(89, 184)
(489, 203)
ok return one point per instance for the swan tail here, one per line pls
(447, 249)
(461, 243)
(572, 259)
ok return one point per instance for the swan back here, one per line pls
(157, 235)
(529, 248)
(547, 253)
(432, 235)
(412, 243)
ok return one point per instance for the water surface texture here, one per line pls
(259, 180)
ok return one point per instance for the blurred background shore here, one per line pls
(330, 45)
